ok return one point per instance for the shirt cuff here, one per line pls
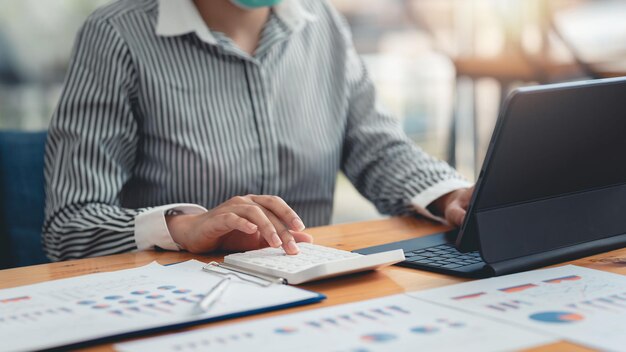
(151, 229)
(421, 201)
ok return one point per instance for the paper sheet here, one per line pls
(394, 323)
(62, 312)
(582, 305)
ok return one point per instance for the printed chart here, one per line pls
(72, 310)
(154, 301)
(394, 323)
(579, 304)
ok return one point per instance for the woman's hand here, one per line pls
(240, 224)
(453, 205)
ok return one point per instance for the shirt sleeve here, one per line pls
(91, 150)
(379, 159)
(151, 228)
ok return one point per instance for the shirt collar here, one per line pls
(178, 17)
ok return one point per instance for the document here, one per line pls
(581, 305)
(393, 323)
(91, 307)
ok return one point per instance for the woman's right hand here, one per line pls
(242, 223)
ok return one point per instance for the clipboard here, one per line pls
(244, 274)
(91, 304)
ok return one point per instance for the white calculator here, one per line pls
(314, 262)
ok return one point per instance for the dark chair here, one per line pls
(21, 198)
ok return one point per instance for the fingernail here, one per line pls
(252, 227)
(298, 224)
(276, 242)
(291, 247)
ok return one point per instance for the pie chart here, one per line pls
(557, 317)
(378, 337)
(285, 330)
(424, 329)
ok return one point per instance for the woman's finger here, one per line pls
(302, 237)
(455, 214)
(224, 223)
(257, 216)
(237, 242)
(281, 210)
(289, 243)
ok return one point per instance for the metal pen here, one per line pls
(205, 304)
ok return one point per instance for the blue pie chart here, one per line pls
(424, 329)
(378, 337)
(557, 317)
(285, 330)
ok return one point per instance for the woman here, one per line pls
(246, 108)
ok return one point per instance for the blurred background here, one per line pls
(442, 67)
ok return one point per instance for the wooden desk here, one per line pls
(341, 290)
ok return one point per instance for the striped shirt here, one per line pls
(158, 110)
